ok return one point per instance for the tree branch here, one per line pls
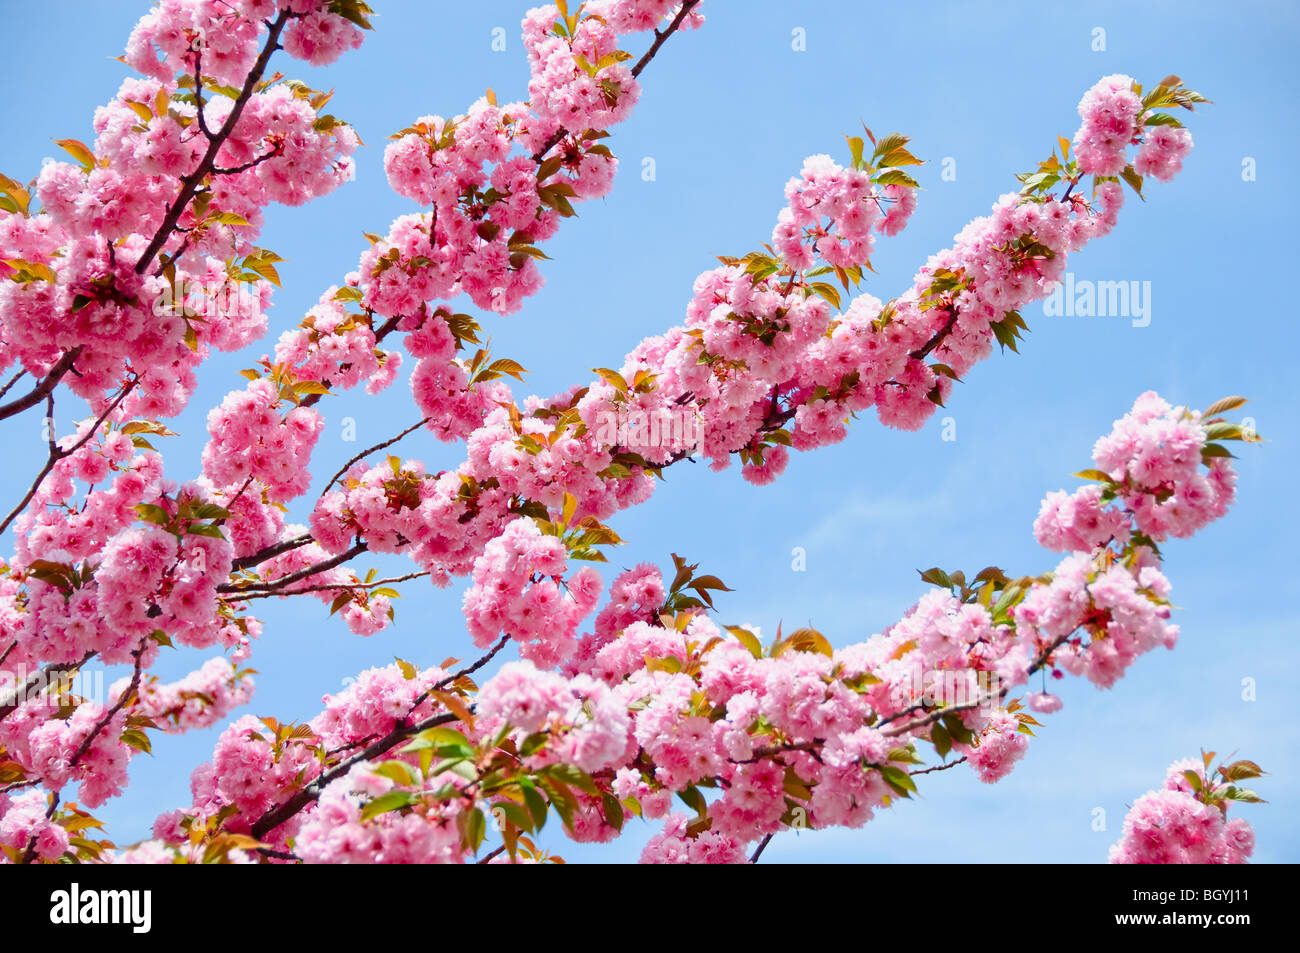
(401, 731)
(190, 183)
(290, 579)
(274, 818)
(270, 552)
(56, 453)
(47, 674)
(44, 387)
(662, 35)
(337, 585)
(369, 450)
(921, 352)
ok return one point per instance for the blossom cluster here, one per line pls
(171, 191)
(519, 588)
(1185, 822)
(83, 749)
(200, 699)
(661, 702)
(656, 701)
(251, 439)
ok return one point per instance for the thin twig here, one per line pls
(290, 579)
(939, 767)
(336, 585)
(369, 450)
(43, 387)
(45, 676)
(12, 381)
(57, 453)
(402, 730)
(274, 818)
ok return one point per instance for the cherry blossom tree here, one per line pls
(127, 268)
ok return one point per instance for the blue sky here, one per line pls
(728, 113)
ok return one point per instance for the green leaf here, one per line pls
(152, 513)
(1133, 179)
(693, 799)
(613, 810)
(896, 177)
(826, 290)
(205, 529)
(535, 803)
(391, 801)
(263, 267)
(79, 151)
(355, 11)
(941, 740)
(936, 577)
(574, 776)
(613, 377)
(399, 772)
(473, 828)
(506, 366)
(856, 145)
(515, 813)
(136, 739)
(533, 744)
(898, 779)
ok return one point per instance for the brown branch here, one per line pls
(270, 552)
(939, 767)
(921, 352)
(198, 90)
(402, 730)
(50, 672)
(762, 846)
(277, 816)
(290, 579)
(86, 742)
(251, 164)
(137, 653)
(12, 381)
(57, 453)
(369, 450)
(469, 670)
(190, 183)
(278, 854)
(44, 387)
(662, 35)
(983, 699)
(337, 585)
